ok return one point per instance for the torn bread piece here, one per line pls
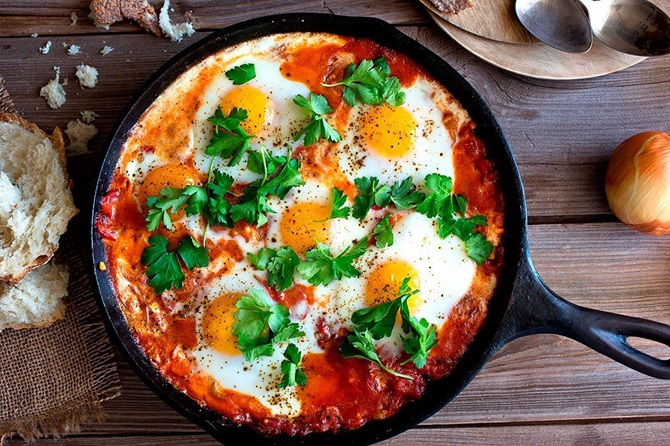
(452, 6)
(36, 301)
(106, 12)
(79, 133)
(53, 91)
(87, 75)
(175, 32)
(37, 203)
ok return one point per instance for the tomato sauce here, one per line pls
(340, 393)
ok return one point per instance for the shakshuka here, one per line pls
(302, 230)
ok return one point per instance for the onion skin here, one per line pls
(637, 182)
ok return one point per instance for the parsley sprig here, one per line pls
(339, 208)
(321, 267)
(260, 324)
(318, 128)
(383, 232)
(403, 195)
(164, 268)
(377, 322)
(194, 200)
(241, 74)
(280, 175)
(370, 83)
(280, 265)
(229, 140)
(290, 367)
(450, 210)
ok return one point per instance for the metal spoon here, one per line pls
(631, 26)
(561, 24)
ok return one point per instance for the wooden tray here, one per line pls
(539, 60)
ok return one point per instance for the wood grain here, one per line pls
(491, 19)
(538, 390)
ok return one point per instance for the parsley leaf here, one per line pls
(439, 202)
(264, 163)
(290, 368)
(380, 319)
(258, 321)
(172, 199)
(383, 232)
(369, 193)
(192, 254)
(241, 74)
(339, 209)
(369, 82)
(229, 140)
(404, 196)
(318, 127)
(478, 248)
(360, 345)
(253, 206)
(163, 267)
(422, 338)
(321, 267)
(280, 265)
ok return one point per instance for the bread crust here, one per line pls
(58, 143)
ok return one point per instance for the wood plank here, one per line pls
(53, 18)
(610, 434)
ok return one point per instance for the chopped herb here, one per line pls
(369, 82)
(163, 267)
(321, 267)
(318, 127)
(290, 368)
(384, 232)
(405, 196)
(230, 140)
(241, 74)
(361, 345)
(339, 209)
(370, 193)
(258, 321)
(280, 265)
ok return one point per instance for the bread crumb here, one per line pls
(106, 50)
(87, 75)
(45, 49)
(34, 35)
(175, 32)
(74, 50)
(88, 116)
(64, 44)
(73, 19)
(53, 91)
(80, 134)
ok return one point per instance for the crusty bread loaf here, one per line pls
(36, 203)
(36, 301)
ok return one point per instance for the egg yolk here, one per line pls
(259, 108)
(303, 223)
(389, 131)
(169, 175)
(385, 280)
(217, 324)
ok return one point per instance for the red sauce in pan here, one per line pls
(340, 393)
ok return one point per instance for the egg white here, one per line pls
(431, 152)
(288, 119)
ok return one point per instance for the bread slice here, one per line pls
(36, 301)
(36, 203)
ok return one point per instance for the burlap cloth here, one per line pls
(54, 379)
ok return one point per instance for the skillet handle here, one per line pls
(537, 309)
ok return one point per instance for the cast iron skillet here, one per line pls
(522, 304)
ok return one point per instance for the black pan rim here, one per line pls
(438, 393)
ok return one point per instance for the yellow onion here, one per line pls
(637, 182)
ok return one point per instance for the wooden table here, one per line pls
(541, 389)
